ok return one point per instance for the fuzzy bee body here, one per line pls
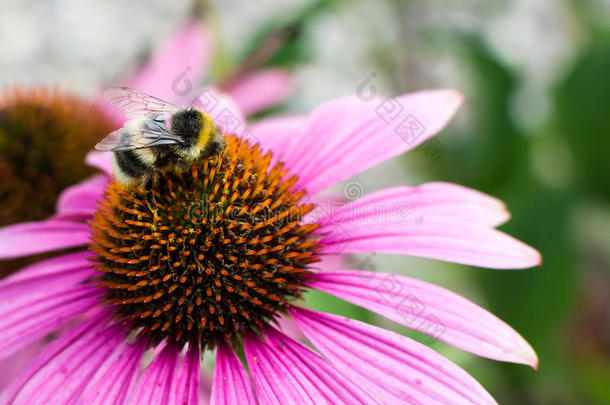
(158, 137)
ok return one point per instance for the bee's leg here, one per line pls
(150, 197)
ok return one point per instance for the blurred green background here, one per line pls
(534, 132)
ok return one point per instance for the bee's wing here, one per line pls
(153, 133)
(136, 104)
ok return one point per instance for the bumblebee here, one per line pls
(158, 136)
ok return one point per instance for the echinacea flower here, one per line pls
(236, 241)
(45, 134)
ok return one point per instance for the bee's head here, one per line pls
(188, 124)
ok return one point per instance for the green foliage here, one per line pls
(583, 116)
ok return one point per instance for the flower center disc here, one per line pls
(224, 253)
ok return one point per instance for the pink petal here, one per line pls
(347, 136)
(153, 387)
(38, 237)
(288, 327)
(166, 382)
(277, 133)
(100, 160)
(79, 201)
(429, 309)
(398, 369)
(261, 89)
(231, 382)
(465, 242)
(205, 387)
(185, 387)
(285, 371)
(62, 371)
(11, 366)
(32, 313)
(174, 70)
(116, 377)
(46, 270)
(405, 205)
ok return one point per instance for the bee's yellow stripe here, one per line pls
(206, 131)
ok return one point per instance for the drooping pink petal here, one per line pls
(78, 202)
(261, 89)
(62, 371)
(277, 133)
(399, 370)
(167, 381)
(453, 240)
(115, 378)
(153, 387)
(231, 383)
(12, 365)
(29, 238)
(331, 262)
(346, 136)
(100, 160)
(285, 371)
(430, 309)
(173, 71)
(205, 387)
(41, 297)
(288, 327)
(45, 270)
(406, 205)
(185, 387)
(32, 313)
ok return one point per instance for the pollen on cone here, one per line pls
(223, 254)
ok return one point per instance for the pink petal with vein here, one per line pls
(205, 387)
(153, 387)
(78, 202)
(44, 270)
(404, 205)
(169, 380)
(116, 377)
(29, 238)
(231, 381)
(465, 242)
(277, 133)
(261, 89)
(32, 313)
(347, 136)
(429, 309)
(62, 371)
(185, 387)
(12, 365)
(399, 370)
(285, 371)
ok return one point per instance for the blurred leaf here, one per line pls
(282, 43)
(583, 116)
(323, 302)
(493, 148)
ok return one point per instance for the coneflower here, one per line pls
(236, 241)
(45, 134)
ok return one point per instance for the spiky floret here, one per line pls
(224, 252)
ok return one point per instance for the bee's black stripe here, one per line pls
(130, 164)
